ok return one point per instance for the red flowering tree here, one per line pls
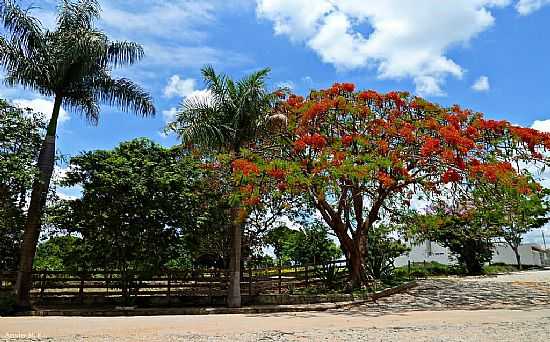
(361, 155)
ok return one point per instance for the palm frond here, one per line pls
(124, 94)
(84, 102)
(124, 53)
(77, 14)
(25, 30)
(198, 123)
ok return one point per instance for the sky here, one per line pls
(488, 55)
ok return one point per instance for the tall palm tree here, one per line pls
(231, 116)
(72, 64)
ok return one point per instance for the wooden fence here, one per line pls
(280, 279)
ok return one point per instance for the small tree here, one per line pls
(20, 138)
(137, 201)
(382, 251)
(515, 210)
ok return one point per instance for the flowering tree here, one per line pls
(360, 156)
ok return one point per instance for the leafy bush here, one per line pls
(7, 303)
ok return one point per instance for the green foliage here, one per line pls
(138, 200)
(466, 231)
(20, 137)
(382, 251)
(59, 253)
(231, 116)
(311, 245)
(499, 268)
(7, 303)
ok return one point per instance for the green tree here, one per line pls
(310, 245)
(137, 201)
(469, 233)
(20, 137)
(59, 253)
(72, 64)
(515, 211)
(232, 116)
(383, 249)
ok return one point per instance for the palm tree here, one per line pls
(231, 116)
(71, 64)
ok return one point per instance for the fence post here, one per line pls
(169, 284)
(409, 270)
(280, 276)
(307, 275)
(250, 280)
(81, 290)
(42, 284)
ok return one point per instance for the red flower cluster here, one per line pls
(493, 125)
(317, 109)
(347, 140)
(531, 137)
(431, 145)
(491, 172)
(383, 146)
(451, 176)
(337, 88)
(276, 173)
(317, 141)
(245, 166)
(252, 201)
(407, 132)
(295, 101)
(369, 95)
(453, 137)
(386, 179)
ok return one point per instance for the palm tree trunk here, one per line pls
(46, 161)
(234, 291)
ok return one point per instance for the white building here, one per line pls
(531, 254)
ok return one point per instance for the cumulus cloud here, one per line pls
(398, 38)
(41, 105)
(541, 125)
(184, 88)
(526, 7)
(482, 84)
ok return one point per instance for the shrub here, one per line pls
(7, 303)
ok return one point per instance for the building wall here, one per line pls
(431, 251)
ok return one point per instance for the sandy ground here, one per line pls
(515, 324)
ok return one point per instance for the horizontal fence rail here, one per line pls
(210, 283)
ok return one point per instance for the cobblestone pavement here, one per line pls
(507, 308)
(457, 294)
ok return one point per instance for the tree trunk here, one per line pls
(357, 271)
(234, 291)
(41, 185)
(518, 257)
(472, 261)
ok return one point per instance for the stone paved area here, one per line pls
(456, 294)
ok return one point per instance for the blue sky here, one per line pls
(489, 55)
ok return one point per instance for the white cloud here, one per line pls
(399, 38)
(170, 114)
(184, 88)
(482, 84)
(179, 87)
(287, 84)
(541, 125)
(525, 7)
(43, 106)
